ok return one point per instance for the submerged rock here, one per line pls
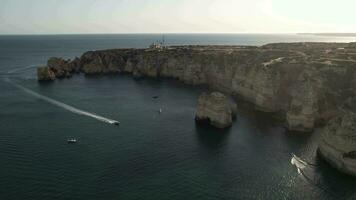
(45, 74)
(337, 144)
(215, 109)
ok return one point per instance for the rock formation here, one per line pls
(45, 74)
(60, 67)
(338, 143)
(215, 109)
(307, 83)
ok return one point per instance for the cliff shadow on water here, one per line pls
(210, 137)
(339, 184)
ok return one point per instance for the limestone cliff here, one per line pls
(338, 143)
(306, 83)
(215, 109)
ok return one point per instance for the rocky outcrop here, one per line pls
(215, 109)
(60, 67)
(337, 144)
(45, 74)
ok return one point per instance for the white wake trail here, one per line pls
(60, 104)
(21, 69)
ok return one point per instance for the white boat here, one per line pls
(298, 163)
(299, 160)
(160, 110)
(115, 123)
(71, 141)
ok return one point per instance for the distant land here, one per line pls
(331, 34)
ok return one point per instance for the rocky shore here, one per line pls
(308, 84)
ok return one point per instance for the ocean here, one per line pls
(150, 155)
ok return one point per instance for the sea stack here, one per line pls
(215, 109)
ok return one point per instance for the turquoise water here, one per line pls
(150, 155)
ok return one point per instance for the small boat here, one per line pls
(72, 141)
(299, 160)
(160, 110)
(116, 123)
(155, 97)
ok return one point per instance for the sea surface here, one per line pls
(150, 155)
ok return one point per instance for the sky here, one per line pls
(176, 16)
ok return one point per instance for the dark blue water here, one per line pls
(151, 155)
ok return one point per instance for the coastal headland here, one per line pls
(308, 84)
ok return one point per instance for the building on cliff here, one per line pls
(158, 44)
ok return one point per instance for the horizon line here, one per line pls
(172, 33)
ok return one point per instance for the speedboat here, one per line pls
(116, 123)
(72, 141)
(299, 160)
(160, 110)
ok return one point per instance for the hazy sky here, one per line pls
(176, 16)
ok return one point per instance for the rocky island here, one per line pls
(307, 84)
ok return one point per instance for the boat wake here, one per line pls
(58, 103)
(309, 173)
(21, 69)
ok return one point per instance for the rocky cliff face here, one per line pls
(338, 143)
(307, 83)
(215, 109)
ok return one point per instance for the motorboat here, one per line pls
(116, 123)
(296, 158)
(72, 141)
